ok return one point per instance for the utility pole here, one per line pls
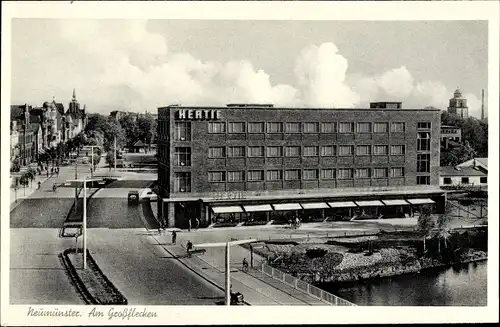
(482, 104)
(115, 153)
(84, 223)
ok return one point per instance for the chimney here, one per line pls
(482, 105)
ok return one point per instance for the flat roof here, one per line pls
(260, 107)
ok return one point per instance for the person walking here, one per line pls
(39, 185)
(189, 247)
(174, 237)
(197, 223)
(189, 225)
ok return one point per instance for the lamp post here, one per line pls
(92, 162)
(84, 229)
(227, 265)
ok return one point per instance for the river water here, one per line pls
(460, 285)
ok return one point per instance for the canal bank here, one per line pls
(456, 285)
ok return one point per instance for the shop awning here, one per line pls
(315, 205)
(374, 203)
(346, 204)
(227, 209)
(395, 202)
(261, 207)
(420, 201)
(287, 206)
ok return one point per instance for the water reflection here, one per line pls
(460, 285)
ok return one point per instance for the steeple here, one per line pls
(74, 95)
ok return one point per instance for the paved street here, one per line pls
(117, 240)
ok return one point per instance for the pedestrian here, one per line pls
(57, 171)
(189, 225)
(197, 223)
(52, 171)
(39, 185)
(47, 173)
(174, 237)
(189, 247)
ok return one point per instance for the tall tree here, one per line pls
(146, 126)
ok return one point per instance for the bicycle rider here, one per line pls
(245, 264)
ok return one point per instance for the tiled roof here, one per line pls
(463, 171)
(483, 161)
(17, 112)
(59, 107)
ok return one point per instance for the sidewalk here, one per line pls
(255, 286)
(25, 192)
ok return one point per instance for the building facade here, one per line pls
(458, 105)
(211, 159)
(466, 176)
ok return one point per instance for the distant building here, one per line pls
(450, 136)
(466, 176)
(458, 105)
(74, 120)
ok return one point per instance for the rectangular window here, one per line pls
(255, 175)
(216, 176)
(310, 174)
(397, 127)
(380, 172)
(328, 151)
(397, 172)
(183, 156)
(346, 150)
(423, 163)
(447, 181)
(344, 173)
(216, 127)
(275, 127)
(236, 151)
(236, 127)
(380, 150)
(380, 127)
(483, 180)
(363, 173)
(274, 175)
(327, 173)
(363, 150)
(423, 180)
(183, 131)
(292, 174)
(364, 127)
(346, 127)
(311, 127)
(274, 151)
(424, 125)
(182, 182)
(311, 151)
(328, 128)
(293, 127)
(255, 151)
(465, 180)
(423, 141)
(217, 152)
(235, 176)
(397, 150)
(255, 127)
(292, 151)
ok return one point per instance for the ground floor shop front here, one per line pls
(203, 212)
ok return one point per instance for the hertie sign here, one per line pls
(189, 114)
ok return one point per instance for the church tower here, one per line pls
(458, 105)
(74, 106)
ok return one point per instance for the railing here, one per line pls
(304, 286)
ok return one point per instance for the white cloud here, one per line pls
(122, 65)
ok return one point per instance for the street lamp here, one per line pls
(84, 181)
(92, 163)
(227, 266)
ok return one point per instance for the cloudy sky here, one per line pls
(141, 65)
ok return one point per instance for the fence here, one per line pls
(303, 286)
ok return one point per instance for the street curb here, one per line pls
(22, 199)
(196, 272)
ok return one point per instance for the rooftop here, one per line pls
(271, 107)
(463, 171)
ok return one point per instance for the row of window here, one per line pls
(464, 180)
(305, 174)
(297, 151)
(182, 180)
(183, 129)
(312, 127)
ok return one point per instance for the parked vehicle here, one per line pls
(151, 195)
(237, 299)
(85, 160)
(133, 197)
